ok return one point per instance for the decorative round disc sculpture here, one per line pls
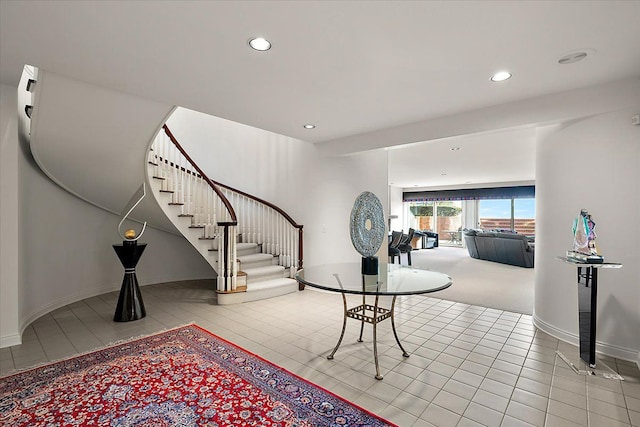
(367, 224)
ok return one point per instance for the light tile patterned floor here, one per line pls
(469, 365)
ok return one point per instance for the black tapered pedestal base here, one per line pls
(130, 305)
(370, 265)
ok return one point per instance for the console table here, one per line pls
(588, 307)
(392, 279)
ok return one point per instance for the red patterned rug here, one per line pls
(183, 377)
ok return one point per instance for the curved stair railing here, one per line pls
(229, 219)
(201, 201)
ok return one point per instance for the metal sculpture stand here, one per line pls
(130, 305)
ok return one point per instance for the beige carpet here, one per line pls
(478, 282)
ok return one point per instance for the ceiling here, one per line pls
(349, 67)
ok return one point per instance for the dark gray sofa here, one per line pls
(506, 248)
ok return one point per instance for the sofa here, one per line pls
(506, 248)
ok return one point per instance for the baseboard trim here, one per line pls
(10, 340)
(628, 354)
(61, 302)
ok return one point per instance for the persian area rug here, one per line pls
(183, 377)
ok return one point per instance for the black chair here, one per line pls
(394, 241)
(405, 245)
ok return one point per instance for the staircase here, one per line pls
(254, 247)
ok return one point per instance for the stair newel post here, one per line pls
(227, 256)
(274, 233)
(300, 246)
(264, 227)
(234, 258)
(242, 208)
(225, 249)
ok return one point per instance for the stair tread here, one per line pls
(255, 257)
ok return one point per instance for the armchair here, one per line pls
(394, 251)
(405, 245)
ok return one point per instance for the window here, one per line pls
(508, 214)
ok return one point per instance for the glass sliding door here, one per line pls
(449, 222)
(444, 218)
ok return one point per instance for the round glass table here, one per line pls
(392, 280)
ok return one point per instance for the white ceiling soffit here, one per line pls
(495, 157)
(349, 67)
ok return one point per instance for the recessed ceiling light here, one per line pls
(309, 126)
(500, 76)
(260, 43)
(454, 149)
(572, 57)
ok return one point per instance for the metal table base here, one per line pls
(377, 315)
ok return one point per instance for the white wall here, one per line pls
(9, 217)
(396, 208)
(337, 182)
(264, 164)
(594, 164)
(56, 248)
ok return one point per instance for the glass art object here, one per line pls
(584, 235)
(584, 239)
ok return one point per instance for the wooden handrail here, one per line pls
(211, 183)
(242, 193)
(215, 184)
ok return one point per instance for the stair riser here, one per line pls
(249, 251)
(260, 278)
(265, 263)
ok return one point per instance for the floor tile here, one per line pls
(526, 413)
(440, 416)
(469, 365)
(568, 412)
(483, 415)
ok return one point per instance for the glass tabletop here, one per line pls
(589, 264)
(392, 279)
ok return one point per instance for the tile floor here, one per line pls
(469, 365)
